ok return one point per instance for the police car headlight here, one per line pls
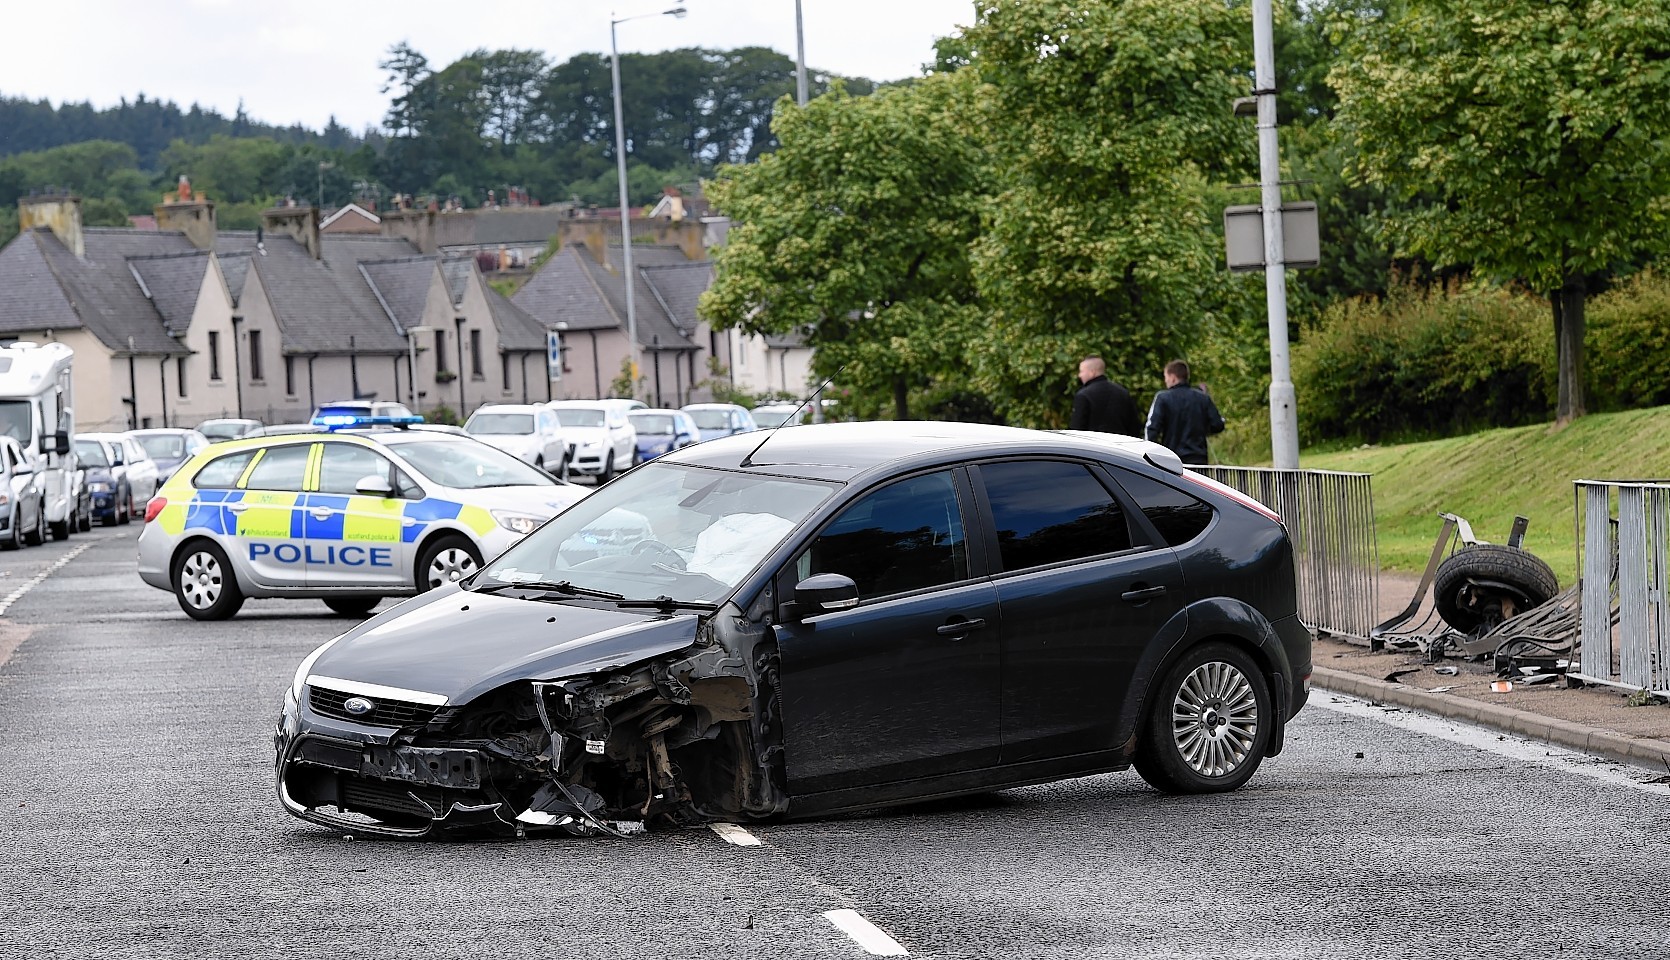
(307, 667)
(517, 522)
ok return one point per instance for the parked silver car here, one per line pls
(22, 498)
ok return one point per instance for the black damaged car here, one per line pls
(826, 618)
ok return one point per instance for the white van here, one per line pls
(37, 410)
(601, 437)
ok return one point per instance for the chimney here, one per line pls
(298, 223)
(191, 214)
(61, 213)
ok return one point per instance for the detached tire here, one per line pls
(1486, 583)
(1208, 722)
(204, 583)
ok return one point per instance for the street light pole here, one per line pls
(799, 56)
(323, 166)
(625, 209)
(1284, 417)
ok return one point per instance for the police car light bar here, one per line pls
(344, 421)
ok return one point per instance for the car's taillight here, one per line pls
(1232, 494)
(154, 508)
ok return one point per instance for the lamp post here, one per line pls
(1284, 418)
(625, 210)
(799, 57)
(411, 364)
(323, 166)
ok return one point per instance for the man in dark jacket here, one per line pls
(1102, 404)
(1182, 416)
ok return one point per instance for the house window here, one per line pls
(180, 374)
(440, 351)
(214, 354)
(255, 371)
(475, 355)
(290, 376)
(504, 370)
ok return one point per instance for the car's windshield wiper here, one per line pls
(665, 602)
(549, 586)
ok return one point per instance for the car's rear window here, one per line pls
(651, 423)
(91, 453)
(711, 419)
(1178, 516)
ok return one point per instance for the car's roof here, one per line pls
(713, 406)
(660, 410)
(579, 404)
(165, 431)
(844, 450)
(508, 408)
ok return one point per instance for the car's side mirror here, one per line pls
(60, 443)
(821, 593)
(372, 485)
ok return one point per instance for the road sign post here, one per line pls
(553, 354)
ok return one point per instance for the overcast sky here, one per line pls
(301, 61)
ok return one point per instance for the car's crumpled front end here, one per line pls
(662, 720)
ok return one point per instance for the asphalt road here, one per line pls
(138, 819)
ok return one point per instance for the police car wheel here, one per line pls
(204, 583)
(353, 606)
(446, 560)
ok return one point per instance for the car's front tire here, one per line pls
(124, 507)
(446, 560)
(353, 606)
(1208, 722)
(608, 469)
(14, 539)
(37, 536)
(204, 583)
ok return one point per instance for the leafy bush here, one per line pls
(1628, 344)
(1426, 363)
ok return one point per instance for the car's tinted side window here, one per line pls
(222, 473)
(905, 536)
(1178, 516)
(344, 464)
(1047, 511)
(280, 468)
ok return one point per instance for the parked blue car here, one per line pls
(662, 431)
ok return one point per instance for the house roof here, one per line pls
(519, 331)
(43, 284)
(562, 290)
(326, 305)
(172, 281)
(572, 287)
(656, 327)
(516, 225)
(677, 287)
(403, 286)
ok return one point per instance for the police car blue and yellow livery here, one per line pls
(349, 516)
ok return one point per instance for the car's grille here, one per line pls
(362, 793)
(384, 713)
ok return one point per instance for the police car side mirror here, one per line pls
(820, 593)
(373, 485)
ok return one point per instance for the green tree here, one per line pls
(1106, 122)
(1542, 127)
(231, 169)
(856, 232)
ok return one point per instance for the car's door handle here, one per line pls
(1140, 593)
(960, 627)
(237, 507)
(321, 513)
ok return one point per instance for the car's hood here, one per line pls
(508, 442)
(460, 645)
(586, 434)
(98, 474)
(540, 501)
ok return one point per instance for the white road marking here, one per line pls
(735, 835)
(1507, 745)
(52, 568)
(866, 934)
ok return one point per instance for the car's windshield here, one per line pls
(652, 423)
(579, 417)
(664, 530)
(224, 430)
(14, 420)
(773, 416)
(500, 423)
(470, 465)
(163, 446)
(91, 453)
(711, 419)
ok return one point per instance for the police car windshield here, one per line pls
(685, 533)
(579, 417)
(90, 453)
(500, 423)
(468, 465)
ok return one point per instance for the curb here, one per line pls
(1651, 754)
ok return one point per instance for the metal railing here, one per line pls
(1626, 646)
(1330, 518)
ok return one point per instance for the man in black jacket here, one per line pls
(1102, 404)
(1182, 416)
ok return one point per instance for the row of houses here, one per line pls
(184, 322)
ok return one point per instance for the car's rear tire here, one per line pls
(446, 560)
(14, 539)
(204, 583)
(1208, 722)
(1515, 581)
(37, 535)
(124, 507)
(353, 606)
(62, 529)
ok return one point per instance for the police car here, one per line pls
(365, 511)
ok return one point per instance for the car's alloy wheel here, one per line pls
(445, 561)
(1208, 722)
(204, 584)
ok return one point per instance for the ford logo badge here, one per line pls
(358, 706)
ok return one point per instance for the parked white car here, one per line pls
(136, 465)
(526, 431)
(602, 440)
(717, 420)
(22, 498)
